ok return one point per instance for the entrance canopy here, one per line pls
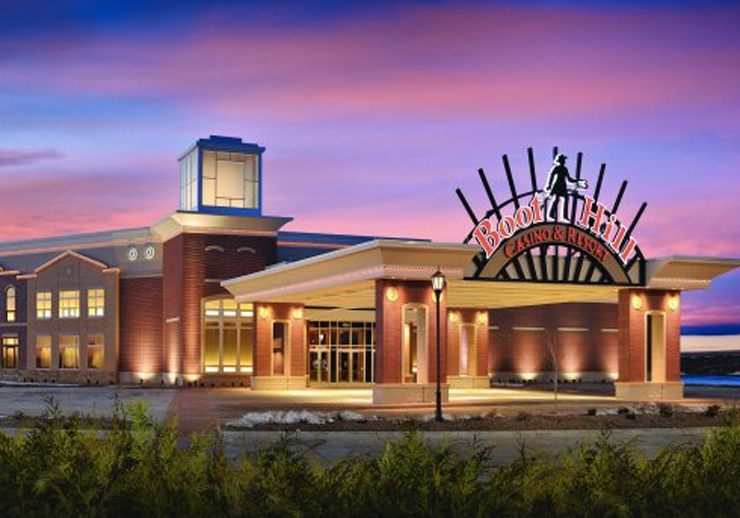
(346, 278)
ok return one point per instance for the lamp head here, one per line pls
(438, 282)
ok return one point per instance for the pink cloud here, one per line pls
(417, 62)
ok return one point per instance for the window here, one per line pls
(230, 180)
(69, 304)
(227, 336)
(96, 302)
(69, 352)
(43, 351)
(43, 305)
(189, 181)
(10, 352)
(10, 304)
(95, 351)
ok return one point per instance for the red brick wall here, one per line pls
(389, 329)
(632, 339)
(264, 316)
(241, 255)
(526, 351)
(456, 318)
(172, 284)
(141, 344)
(191, 273)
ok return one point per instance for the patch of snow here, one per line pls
(607, 411)
(694, 409)
(427, 418)
(252, 419)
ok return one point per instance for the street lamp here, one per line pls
(438, 285)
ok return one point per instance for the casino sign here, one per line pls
(557, 232)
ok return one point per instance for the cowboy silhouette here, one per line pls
(557, 188)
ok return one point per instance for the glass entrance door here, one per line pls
(341, 353)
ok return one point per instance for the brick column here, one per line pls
(477, 376)
(391, 296)
(193, 275)
(634, 307)
(294, 374)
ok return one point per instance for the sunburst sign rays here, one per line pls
(556, 231)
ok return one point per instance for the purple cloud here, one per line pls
(10, 157)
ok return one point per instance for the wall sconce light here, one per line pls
(263, 312)
(391, 294)
(482, 318)
(636, 301)
(298, 313)
(453, 317)
(673, 303)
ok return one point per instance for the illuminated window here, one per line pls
(10, 352)
(43, 351)
(69, 304)
(230, 180)
(69, 352)
(189, 181)
(95, 351)
(10, 304)
(43, 305)
(96, 302)
(227, 336)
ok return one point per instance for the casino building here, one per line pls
(219, 294)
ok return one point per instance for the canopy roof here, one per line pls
(346, 278)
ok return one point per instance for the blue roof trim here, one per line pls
(228, 211)
(232, 144)
(335, 239)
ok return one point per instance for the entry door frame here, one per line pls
(655, 346)
(422, 342)
(286, 347)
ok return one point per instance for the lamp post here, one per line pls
(438, 285)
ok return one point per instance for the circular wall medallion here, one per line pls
(149, 253)
(392, 294)
(133, 254)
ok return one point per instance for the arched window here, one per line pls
(10, 304)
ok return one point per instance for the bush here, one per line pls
(665, 409)
(712, 411)
(144, 468)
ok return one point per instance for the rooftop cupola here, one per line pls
(222, 175)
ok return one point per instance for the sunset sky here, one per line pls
(374, 112)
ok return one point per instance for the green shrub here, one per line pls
(144, 468)
(712, 411)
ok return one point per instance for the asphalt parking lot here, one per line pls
(203, 408)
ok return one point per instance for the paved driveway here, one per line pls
(204, 407)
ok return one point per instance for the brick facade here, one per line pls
(634, 305)
(73, 272)
(194, 266)
(142, 331)
(389, 329)
(527, 342)
(478, 318)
